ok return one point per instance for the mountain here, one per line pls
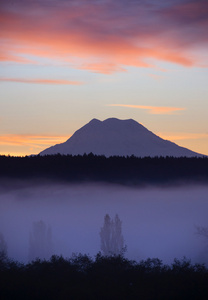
(118, 137)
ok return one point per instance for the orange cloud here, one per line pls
(31, 140)
(182, 136)
(41, 81)
(160, 110)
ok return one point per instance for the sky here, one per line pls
(65, 62)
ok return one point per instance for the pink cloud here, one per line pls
(104, 68)
(41, 81)
(155, 76)
(115, 33)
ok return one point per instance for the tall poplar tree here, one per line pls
(111, 237)
(40, 241)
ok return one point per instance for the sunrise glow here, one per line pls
(63, 63)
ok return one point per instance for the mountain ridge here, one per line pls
(115, 137)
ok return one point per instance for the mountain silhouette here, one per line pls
(118, 137)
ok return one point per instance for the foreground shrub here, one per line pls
(112, 277)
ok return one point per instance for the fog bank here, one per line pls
(156, 222)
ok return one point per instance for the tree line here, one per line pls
(102, 277)
(125, 170)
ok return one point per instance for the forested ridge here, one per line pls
(115, 169)
(112, 277)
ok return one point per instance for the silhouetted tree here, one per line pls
(3, 250)
(203, 232)
(40, 241)
(112, 241)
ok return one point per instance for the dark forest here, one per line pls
(124, 170)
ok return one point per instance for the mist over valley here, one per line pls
(156, 222)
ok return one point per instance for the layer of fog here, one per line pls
(156, 222)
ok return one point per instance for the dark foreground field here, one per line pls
(81, 277)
